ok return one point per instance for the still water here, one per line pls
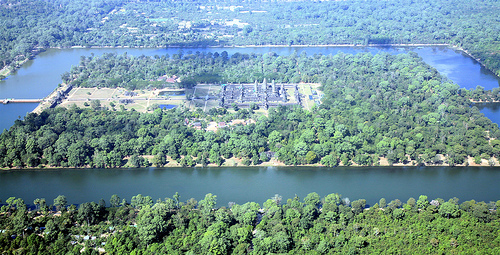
(36, 79)
(243, 184)
(39, 77)
(490, 110)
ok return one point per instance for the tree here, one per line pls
(481, 212)
(140, 201)
(176, 197)
(312, 199)
(36, 202)
(449, 209)
(274, 138)
(311, 157)
(88, 212)
(382, 203)
(207, 204)
(277, 199)
(398, 214)
(114, 201)
(422, 202)
(159, 159)
(20, 221)
(146, 226)
(138, 161)
(329, 160)
(358, 206)
(411, 204)
(60, 202)
(95, 104)
(215, 240)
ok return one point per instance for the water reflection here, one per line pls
(490, 110)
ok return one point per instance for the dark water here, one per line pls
(256, 184)
(36, 79)
(10, 112)
(39, 77)
(490, 110)
(172, 93)
(167, 106)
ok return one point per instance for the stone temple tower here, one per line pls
(264, 85)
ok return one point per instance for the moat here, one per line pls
(38, 78)
(243, 184)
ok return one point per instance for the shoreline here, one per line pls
(485, 102)
(13, 69)
(272, 163)
(451, 46)
(8, 70)
(476, 59)
(261, 46)
(51, 99)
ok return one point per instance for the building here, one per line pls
(264, 95)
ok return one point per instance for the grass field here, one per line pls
(81, 93)
(103, 93)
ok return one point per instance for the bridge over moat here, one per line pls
(13, 100)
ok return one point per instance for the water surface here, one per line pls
(243, 184)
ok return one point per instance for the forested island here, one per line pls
(313, 225)
(391, 106)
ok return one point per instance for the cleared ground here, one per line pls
(202, 96)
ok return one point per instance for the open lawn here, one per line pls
(81, 92)
(103, 93)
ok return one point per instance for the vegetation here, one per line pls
(314, 225)
(29, 26)
(393, 106)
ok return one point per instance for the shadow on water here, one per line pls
(494, 107)
(490, 110)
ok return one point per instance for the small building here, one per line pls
(270, 154)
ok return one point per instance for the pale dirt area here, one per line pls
(141, 102)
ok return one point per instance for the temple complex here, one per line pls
(264, 95)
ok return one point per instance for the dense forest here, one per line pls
(392, 106)
(313, 225)
(30, 26)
